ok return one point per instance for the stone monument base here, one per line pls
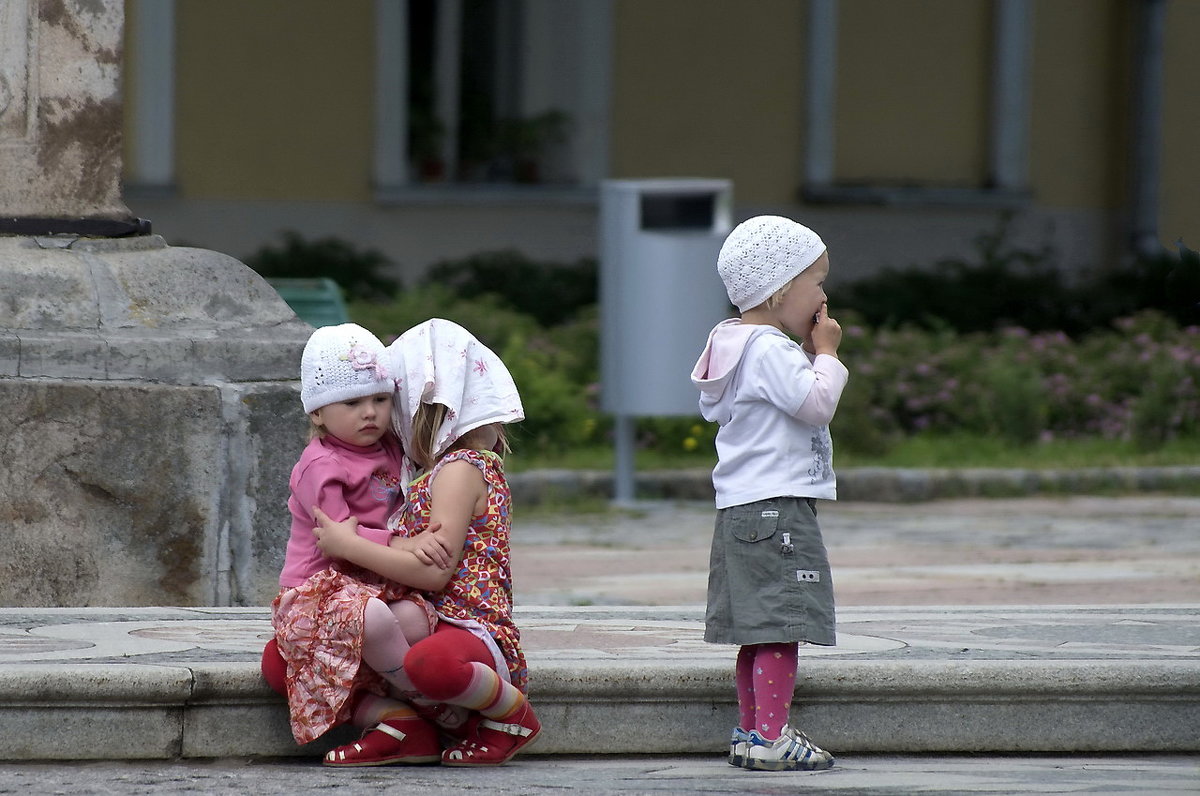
(153, 418)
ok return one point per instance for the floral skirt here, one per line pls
(319, 629)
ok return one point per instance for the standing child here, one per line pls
(330, 618)
(769, 585)
(454, 397)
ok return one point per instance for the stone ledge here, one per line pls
(125, 711)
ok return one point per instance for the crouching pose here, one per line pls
(453, 399)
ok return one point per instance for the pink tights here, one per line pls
(766, 677)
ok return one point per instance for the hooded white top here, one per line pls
(774, 405)
(439, 361)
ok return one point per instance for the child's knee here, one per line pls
(378, 620)
(413, 620)
(437, 669)
(435, 675)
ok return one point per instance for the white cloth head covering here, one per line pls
(762, 254)
(440, 362)
(341, 363)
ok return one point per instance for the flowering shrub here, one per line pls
(1139, 381)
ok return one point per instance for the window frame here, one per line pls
(1007, 182)
(392, 176)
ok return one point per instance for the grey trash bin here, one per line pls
(659, 297)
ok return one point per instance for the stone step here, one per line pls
(160, 683)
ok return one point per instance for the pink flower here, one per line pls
(365, 359)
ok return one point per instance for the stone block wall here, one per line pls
(152, 420)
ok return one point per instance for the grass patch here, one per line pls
(946, 451)
(958, 451)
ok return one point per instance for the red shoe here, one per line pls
(453, 722)
(495, 742)
(410, 740)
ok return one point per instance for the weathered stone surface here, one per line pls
(135, 308)
(154, 421)
(122, 494)
(272, 434)
(151, 391)
(60, 109)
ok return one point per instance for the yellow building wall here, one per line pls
(1079, 122)
(1180, 197)
(274, 99)
(710, 88)
(912, 92)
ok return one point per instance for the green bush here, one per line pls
(486, 317)
(357, 271)
(557, 411)
(551, 367)
(1136, 380)
(1167, 282)
(549, 292)
(1009, 286)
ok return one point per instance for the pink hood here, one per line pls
(727, 343)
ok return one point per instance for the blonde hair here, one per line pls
(776, 298)
(315, 429)
(427, 422)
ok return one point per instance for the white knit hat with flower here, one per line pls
(762, 254)
(341, 363)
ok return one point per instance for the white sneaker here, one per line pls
(738, 745)
(791, 751)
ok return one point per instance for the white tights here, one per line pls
(389, 629)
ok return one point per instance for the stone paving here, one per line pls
(634, 635)
(610, 775)
(610, 604)
(1026, 551)
(911, 579)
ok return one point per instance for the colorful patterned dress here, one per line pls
(479, 595)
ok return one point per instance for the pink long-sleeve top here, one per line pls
(343, 480)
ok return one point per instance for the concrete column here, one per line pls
(151, 409)
(60, 111)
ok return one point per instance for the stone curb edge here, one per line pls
(186, 710)
(876, 484)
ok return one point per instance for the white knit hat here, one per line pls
(341, 363)
(763, 254)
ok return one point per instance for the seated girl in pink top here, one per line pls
(332, 617)
(454, 397)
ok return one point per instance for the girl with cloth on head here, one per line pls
(769, 585)
(453, 399)
(331, 616)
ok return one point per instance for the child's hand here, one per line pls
(826, 334)
(430, 549)
(332, 536)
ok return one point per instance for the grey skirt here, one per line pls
(769, 579)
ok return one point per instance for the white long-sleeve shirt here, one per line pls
(773, 403)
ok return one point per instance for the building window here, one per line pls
(1006, 155)
(491, 93)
